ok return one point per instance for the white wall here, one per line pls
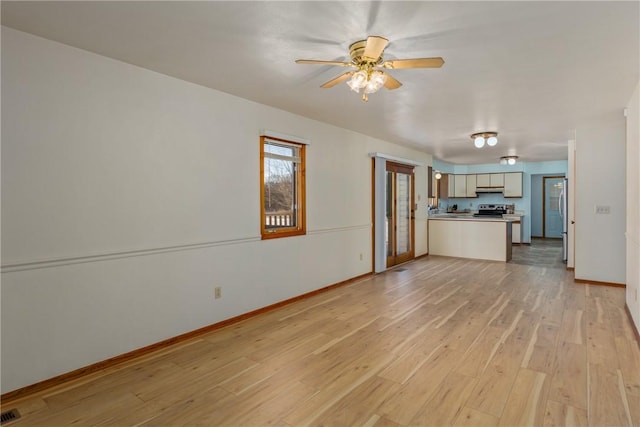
(633, 206)
(127, 196)
(600, 181)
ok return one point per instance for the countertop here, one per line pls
(469, 217)
(514, 217)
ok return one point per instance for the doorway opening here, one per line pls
(393, 210)
(551, 210)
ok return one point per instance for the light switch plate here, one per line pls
(603, 210)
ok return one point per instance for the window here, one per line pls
(282, 190)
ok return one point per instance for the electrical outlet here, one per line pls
(603, 210)
(218, 292)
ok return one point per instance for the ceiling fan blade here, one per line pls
(375, 46)
(391, 83)
(397, 64)
(339, 79)
(316, 62)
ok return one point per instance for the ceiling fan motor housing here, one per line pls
(356, 51)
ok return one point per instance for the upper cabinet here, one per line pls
(496, 180)
(513, 184)
(471, 186)
(460, 186)
(490, 180)
(445, 186)
(451, 185)
(483, 180)
(468, 185)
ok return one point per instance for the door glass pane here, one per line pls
(403, 214)
(554, 196)
(280, 193)
(388, 229)
(553, 219)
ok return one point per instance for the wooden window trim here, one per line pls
(301, 229)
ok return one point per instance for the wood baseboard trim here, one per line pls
(571, 269)
(596, 282)
(58, 380)
(633, 325)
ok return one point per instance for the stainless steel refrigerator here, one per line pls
(564, 213)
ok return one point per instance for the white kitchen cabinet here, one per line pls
(451, 184)
(496, 180)
(516, 231)
(460, 186)
(483, 180)
(471, 186)
(513, 184)
(483, 239)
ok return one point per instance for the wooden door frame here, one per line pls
(410, 171)
(373, 214)
(544, 203)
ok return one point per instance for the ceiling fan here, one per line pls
(366, 58)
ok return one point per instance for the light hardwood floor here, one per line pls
(446, 342)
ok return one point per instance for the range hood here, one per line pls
(489, 189)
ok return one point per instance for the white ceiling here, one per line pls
(532, 71)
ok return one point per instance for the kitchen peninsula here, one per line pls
(466, 236)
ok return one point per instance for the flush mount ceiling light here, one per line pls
(479, 138)
(508, 160)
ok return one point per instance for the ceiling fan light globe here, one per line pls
(479, 141)
(492, 141)
(379, 77)
(360, 79)
(511, 161)
(370, 88)
(354, 86)
(373, 86)
(503, 161)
